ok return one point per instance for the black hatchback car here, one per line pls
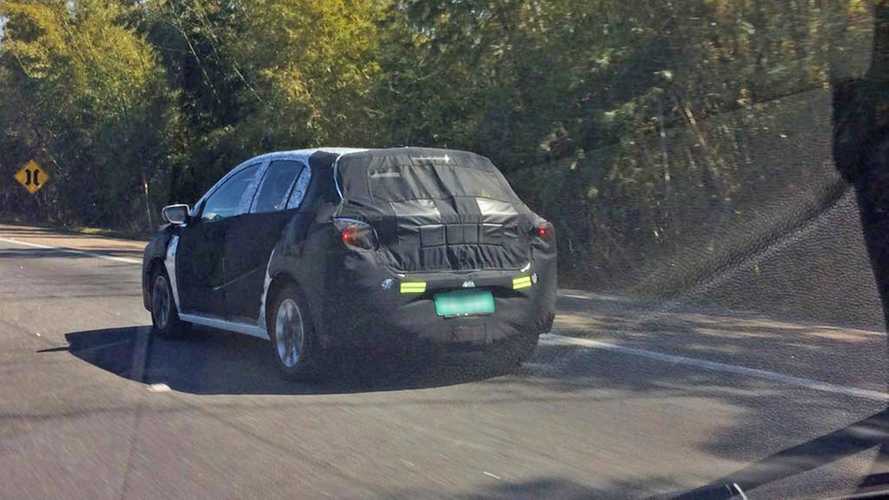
(329, 249)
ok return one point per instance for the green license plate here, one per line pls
(464, 303)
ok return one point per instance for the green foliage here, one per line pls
(634, 126)
(312, 64)
(86, 96)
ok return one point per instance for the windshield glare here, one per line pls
(444, 248)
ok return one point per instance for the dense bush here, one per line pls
(637, 127)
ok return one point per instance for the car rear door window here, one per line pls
(232, 197)
(276, 186)
(299, 190)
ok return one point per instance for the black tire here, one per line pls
(165, 320)
(289, 320)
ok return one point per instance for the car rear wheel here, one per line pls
(292, 335)
(165, 320)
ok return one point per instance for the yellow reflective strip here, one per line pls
(413, 287)
(521, 282)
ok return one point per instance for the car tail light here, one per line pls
(544, 231)
(356, 234)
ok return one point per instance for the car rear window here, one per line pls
(435, 181)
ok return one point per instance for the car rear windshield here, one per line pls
(435, 181)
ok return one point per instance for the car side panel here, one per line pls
(200, 268)
(302, 255)
(248, 245)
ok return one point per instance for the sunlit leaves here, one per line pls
(93, 93)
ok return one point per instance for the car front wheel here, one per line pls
(165, 320)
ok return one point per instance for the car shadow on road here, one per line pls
(540, 487)
(210, 361)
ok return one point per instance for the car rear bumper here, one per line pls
(369, 311)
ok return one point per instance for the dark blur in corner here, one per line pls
(861, 155)
(861, 148)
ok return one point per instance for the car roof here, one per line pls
(295, 154)
(304, 154)
(301, 154)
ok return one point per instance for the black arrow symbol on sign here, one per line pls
(36, 180)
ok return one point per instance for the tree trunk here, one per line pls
(147, 200)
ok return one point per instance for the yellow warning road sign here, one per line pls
(32, 176)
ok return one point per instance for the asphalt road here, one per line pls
(624, 400)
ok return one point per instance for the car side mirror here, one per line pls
(176, 214)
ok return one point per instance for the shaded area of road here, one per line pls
(78, 415)
(843, 354)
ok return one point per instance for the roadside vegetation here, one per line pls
(636, 127)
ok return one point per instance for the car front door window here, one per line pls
(232, 197)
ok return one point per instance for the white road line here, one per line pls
(552, 339)
(574, 294)
(69, 250)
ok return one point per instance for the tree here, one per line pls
(95, 99)
(312, 65)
